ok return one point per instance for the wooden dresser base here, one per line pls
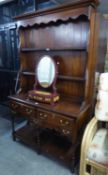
(48, 132)
(49, 143)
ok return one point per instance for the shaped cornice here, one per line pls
(53, 15)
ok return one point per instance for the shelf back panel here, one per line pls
(72, 34)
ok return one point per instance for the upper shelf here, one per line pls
(48, 49)
(61, 77)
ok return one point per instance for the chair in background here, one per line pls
(90, 166)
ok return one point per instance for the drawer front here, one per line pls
(45, 119)
(26, 110)
(14, 106)
(55, 121)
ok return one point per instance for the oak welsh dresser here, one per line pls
(74, 36)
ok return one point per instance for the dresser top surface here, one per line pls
(63, 107)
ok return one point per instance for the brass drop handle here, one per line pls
(43, 116)
(64, 123)
(29, 111)
(14, 106)
(65, 131)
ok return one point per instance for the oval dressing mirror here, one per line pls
(46, 71)
(46, 75)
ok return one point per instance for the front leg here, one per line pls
(13, 127)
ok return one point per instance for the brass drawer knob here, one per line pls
(40, 114)
(61, 121)
(45, 115)
(67, 122)
(68, 132)
(64, 131)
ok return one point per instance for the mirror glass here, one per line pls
(46, 71)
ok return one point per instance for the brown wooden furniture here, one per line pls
(74, 36)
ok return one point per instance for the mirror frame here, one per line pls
(53, 83)
(42, 94)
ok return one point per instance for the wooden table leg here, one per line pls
(13, 127)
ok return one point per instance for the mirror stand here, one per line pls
(45, 82)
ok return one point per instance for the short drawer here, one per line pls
(14, 106)
(26, 110)
(64, 121)
(59, 121)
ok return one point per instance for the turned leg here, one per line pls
(28, 122)
(72, 166)
(72, 155)
(38, 140)
(13, 127)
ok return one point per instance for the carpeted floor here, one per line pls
(17, 159)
